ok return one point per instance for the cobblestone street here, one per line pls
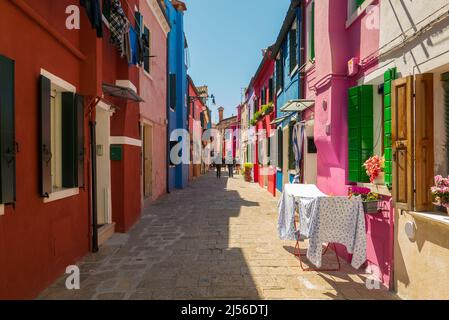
(215, 239)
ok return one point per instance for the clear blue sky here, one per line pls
(225, 40)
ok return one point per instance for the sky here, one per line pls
(225, 39)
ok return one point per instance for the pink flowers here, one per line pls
(374, 166)
(440, 191)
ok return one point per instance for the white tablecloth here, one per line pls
(323, 219)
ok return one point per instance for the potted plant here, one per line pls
(370, 199)
(440, 192)
(267, 109)
(374, 167)
(248, 170)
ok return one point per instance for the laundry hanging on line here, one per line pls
(93, 10)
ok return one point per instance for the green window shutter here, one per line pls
(359, 2)
(354, 140)
(80, 150)
(389, 76)
(45, 137)
(172, 91)
(68, 136)
(292, 46)
(360, 131)
(7, 138)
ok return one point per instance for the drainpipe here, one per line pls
(93, 155)
(167, 169)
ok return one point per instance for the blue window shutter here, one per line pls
(45, 136)
(7, 138)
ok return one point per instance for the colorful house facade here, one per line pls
(262, 84)
(97, 111)
(177, 89)
(288, 90)
(416, 113)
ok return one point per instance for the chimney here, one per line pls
(220, 114)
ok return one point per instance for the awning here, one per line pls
(297, 105)
(278, 120)
(121, 92)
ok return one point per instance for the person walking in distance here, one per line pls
(218, 168)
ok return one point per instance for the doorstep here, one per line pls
(105, 232)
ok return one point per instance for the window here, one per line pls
(172, 145)
(270, 90)
(61, 136)
(7, 135)
(279, 71)
(311, 147)
(280, 147)
(293, 45)
(172, 91)
(146, 49)
(360, 131)
(264, 96)
(291, 152)
(311, 31)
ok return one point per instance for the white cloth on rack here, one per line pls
(287, 206)
(335, 220)
(323, 219)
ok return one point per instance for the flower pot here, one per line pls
(380, 180)
(371, 206)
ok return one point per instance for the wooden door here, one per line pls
(147, 159)
(402, 142)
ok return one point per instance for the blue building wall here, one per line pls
(290, 89)
(178, 175)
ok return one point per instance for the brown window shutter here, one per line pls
(402, 142)
(424, 156)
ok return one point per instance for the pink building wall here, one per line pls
(335, 45)
(153, 89)
(328, 81)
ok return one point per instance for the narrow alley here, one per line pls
(214, 239)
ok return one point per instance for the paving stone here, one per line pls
(216, 239)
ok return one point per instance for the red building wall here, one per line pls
(38, 240)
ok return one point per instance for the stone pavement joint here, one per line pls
(215, 239)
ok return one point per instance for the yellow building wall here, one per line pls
(421, 265)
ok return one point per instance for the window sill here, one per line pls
(358, 13)
(62, 194)
(433, 217)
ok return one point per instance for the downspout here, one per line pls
(93, 155)
(167, 169)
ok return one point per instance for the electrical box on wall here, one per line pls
(116, 152)
(353, 66)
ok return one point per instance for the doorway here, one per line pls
(147, 160)
(103, 176)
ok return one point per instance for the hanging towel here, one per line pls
(134, 46)
(119, 26)
(93, 10)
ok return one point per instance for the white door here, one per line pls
(103, 165)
